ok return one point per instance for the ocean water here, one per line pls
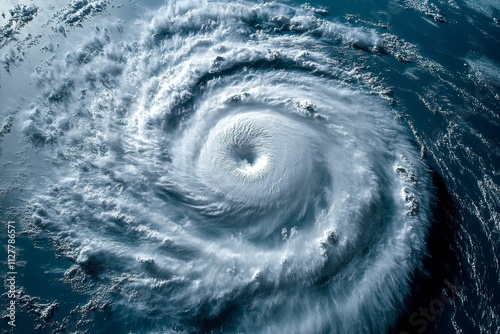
(250, 167)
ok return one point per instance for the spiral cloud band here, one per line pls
(232, 163)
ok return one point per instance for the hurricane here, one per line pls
(232, 167)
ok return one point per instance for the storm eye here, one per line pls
(244, 154)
